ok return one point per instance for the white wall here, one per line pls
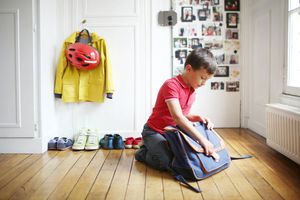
(140, 55)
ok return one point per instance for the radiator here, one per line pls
(283, 130)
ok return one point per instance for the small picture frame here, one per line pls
(180, 42)
(232, 20)
(222, 71)
(202, 14)
(187, 14)
(232, 5)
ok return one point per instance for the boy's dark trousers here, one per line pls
(155, 151)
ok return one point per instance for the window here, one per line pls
(292, 73)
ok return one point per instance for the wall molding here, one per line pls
(15, 14)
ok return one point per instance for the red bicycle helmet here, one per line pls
(82, 56)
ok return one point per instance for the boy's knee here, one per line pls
(159, 161)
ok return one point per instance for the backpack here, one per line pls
(189, 161)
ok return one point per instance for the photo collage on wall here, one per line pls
(213, 25)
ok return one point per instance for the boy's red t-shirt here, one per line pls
(174, 88)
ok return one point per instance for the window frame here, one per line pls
(289, 90)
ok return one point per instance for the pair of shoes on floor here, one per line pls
(87, 139)
(110, 141)
(62, 143)
(131, 142)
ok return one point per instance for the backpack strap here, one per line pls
(182, 180)
(240, 157)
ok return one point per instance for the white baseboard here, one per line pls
(21, 145)
(257, 127)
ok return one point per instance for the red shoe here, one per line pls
(128, 142)
(137, 142)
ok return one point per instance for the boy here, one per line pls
(172, 107)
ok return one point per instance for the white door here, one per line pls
(16, 69)
(265, 59)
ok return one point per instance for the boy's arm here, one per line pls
(198, 118)
(181, 120)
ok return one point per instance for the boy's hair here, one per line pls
(201, 59)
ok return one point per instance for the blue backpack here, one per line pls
(189, 160)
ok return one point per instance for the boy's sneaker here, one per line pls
(92, 140)
(107, 141)
(52, 144)
(80, 141)
(137, 142)
(64, 143)
(118, 142)
(128, 142)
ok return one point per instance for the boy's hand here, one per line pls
(206, 121)
(208, 147)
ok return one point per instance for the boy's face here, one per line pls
(197, 78)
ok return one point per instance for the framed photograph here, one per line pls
(187, 14)
(180, 42)
(232, 5)
(202, 14)
(181, 55)
(232, 20)
(222, 71)
(194, 43)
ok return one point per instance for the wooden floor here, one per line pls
(115, 174)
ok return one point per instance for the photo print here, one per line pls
(232, 59)
(183, 2)
(211, 30)
(186, 30)
(187, 14)
(232, 5)
(194, 2)
(203, 14)
(181, 55)
(232, 86)
(182, 30)
(232, 20)
(206, 3)
(214, 85)
(180, 42)
(217, 14)
(234, 72)
(222, 71)
(194, 43)
(232, 34)
(220, 59)
(217, 85)
(231, 46)
(213, 45)
(215, 2)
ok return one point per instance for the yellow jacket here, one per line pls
(78, 85)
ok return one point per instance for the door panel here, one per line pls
(16, 70)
